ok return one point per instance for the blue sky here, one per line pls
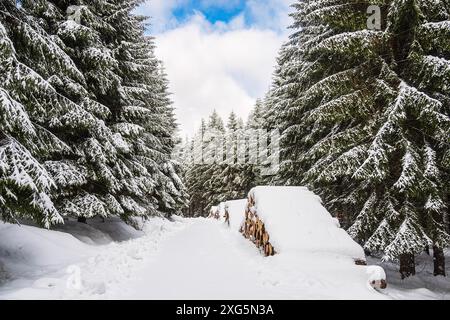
(218, 54)
(263, 14)
(213, 12)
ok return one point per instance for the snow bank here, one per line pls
(27, 251)
(46, 264)
(297, 222)
(84, 232)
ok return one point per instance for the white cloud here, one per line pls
(160, 12)
(222, 66)
(269, 14)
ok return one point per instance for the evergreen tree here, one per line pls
(25, 185)
(87, 181)
(218, 165)
(194, 172)
(348, 123)
(130, 174)
(203, 174)
(37, 120)
(256, 117)
(256, 125)
(232, 181)
(213, 156)
(145, 91)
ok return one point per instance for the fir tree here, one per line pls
(87, 179)
(131, 174)
(195, 173)
(256, 117)
(203, 174)
(348, 123)
(218, 161)
(37, 119)
(231, 174)
(213, 156)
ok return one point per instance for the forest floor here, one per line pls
(182, 259)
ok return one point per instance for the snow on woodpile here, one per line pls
(234, 213)
(291, 222)
(297, 221)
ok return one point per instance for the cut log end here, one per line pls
(254, 229)
(360, 262)
(379, 284)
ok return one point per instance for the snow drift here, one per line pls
(47, 264)
(27, 252)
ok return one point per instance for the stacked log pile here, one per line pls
(275, 207)
(254, 229)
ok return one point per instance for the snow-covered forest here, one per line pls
(344, 160)
(87, 125)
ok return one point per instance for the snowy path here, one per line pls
(200, 262)
(193, 259)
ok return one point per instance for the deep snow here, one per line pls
(182, 259)
(424, 285)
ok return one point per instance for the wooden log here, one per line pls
(265, 238)
(271, 250)
(381, 284)
(254, 229)
(360, 262)
(226, 216)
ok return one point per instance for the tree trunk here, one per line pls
(439, 261)
(82, 220)
(407, 265)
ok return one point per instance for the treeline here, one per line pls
(216, 161)
(364, 116)
(86, 124)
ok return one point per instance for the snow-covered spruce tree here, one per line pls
(232, 181)
(213, 155)
(87, 182)
(217, 167)
(256, 117)
(256, 123)
(25, 185)
(108, 44)
(202, 176)
(277, 105)
(183, 157)
(145, 104)
(217, 158)
(44, 119)
(349, 123)
(194, 173)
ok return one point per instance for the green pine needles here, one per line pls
(365, 118)
(86, 123)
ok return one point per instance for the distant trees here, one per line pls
(217, 167)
